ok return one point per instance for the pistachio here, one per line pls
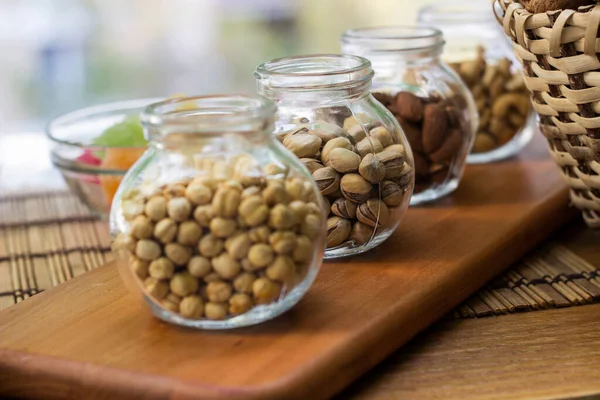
(361, 233)
(372, 169)
(344, 208)
(373, 212)
(391, 193)
(356, 132)
(382, 134)
(369, 145)
(328, 180)
(338, 230)
(326, 130)
(339, 142)
(343, 160)
(311, 164)
(393, 160)
(406, 177)
(355, 188)
(302, 144)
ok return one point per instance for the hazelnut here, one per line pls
(372, 169)
(299, 208)
(260, 234)
(222, 227)
(218, 291)
(239, 303)
(198, 194)
(199, 266)
(303, 250)
(132, 208)
(215, 311)
(156, 288)
(156, 208)
(265, 291)
(183, 284)
(281, 217)
(203, 215)
(250, 191)
(174, 190)
(253, 210)
(296, 189)
(178, 253)
(238, 245)
(139, 268)
(283, 242)
(210, 245)
(161, 268)
(189, 233)
(191, 307)
(179, 208)
(274, 169)
(275, 193)
(141, 227)
(260, 255)
(165, 230)
(124, 242)
(338, 230)
(355, 188)
(226, 266)
(281, 269)
(146, 249)
(211, 277)
(311, 226)
(243, 282)
(226, 201)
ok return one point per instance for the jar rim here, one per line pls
(394, 38)
(203, 112)
(314, 72)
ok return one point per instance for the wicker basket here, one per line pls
(560, 52)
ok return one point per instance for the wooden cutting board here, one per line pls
(90, 338)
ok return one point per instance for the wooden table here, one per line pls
(534, 355)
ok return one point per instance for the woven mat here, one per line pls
(48, 238)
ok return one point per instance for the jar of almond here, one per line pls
(217, 225)
(431, 104)
(353, 147)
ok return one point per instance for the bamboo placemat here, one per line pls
(48, 238)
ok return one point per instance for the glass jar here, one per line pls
(434, 108)
(479, 51)
(218, 225)
(351, 144)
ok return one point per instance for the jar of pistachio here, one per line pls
(354, 148)
(217, 224)
(430, 102)
(481, 54)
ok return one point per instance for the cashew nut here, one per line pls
(510, 101)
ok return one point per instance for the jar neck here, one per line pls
(195, 122)
(319, 80)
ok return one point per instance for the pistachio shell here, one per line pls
(327, 179)
(373, 212)
(333, 144)
(343, 160)
(338, 230)
(368, 145)
(302, 144)
(355, 188)
(372, 169)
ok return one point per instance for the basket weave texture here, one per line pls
(560, 53)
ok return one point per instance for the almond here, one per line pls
(412, 133)
(448, 149)
(409, 106)
(435, 123)
(421, 164)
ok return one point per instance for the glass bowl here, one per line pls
(91, 170)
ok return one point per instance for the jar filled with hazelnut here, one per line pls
(351, 144)
(479, 51)
(431, 104)
(217, 224)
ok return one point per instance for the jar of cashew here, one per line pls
(217, 225)
(353, 147)
(434, 108)
(481, 54)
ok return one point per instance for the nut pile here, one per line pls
(501, 97)
(361, 171)
(436, 130)
(214, 248)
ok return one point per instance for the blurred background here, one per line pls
(59, 55)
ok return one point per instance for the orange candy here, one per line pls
(118, 159)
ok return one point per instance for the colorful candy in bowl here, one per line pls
(95, 146)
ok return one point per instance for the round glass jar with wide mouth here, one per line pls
(478, 50)
(217, 225)
(434, 108)
(354, 148)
